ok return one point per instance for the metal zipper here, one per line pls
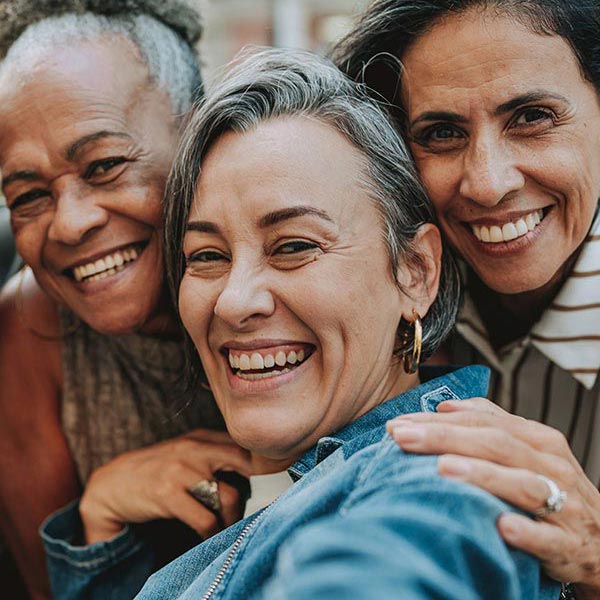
(236, 545)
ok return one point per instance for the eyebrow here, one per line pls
(293, 212)
(268, 220)
(76, 146)
(20, 176)
(70, 155)
(438, 115)
(534, 96)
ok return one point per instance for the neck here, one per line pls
(509, 317)
(262, 465)
(163, 322)
(390, 388)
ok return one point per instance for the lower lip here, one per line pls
(514, 247)
(99, 285)
(260, 386)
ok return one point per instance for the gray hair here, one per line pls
(274, 83)
(163, 33)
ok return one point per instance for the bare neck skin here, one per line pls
(264, 465)
(508, 317)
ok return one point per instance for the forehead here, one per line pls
(478, 57)
(92, 86)
(284, 161)
(108, 64)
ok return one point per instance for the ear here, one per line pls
(421, 284)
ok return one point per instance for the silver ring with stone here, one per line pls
(206, 491)
(555, 500)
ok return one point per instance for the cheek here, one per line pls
(29, 241)
(195, 308)
(439, 179)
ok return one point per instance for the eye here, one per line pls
(28, 201)
(294, 254)
(295, 247)
(533, 115)
(208, 262)
(101, 168)
(205, 256)
(439, 137)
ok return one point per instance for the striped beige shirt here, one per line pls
(552, 374)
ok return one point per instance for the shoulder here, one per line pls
(389, 476)
(28, 363)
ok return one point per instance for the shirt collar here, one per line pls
(455, 384)
(567, 333)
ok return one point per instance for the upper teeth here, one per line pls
(245, 362)
(103, 267)
(509, 231)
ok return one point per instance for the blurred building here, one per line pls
(310, 24)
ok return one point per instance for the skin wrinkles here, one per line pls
(499, 156)
(244, 282)
(54, 125)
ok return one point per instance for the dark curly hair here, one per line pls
(371, 52)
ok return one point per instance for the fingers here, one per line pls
(213, 457)
(536, 435)
(194, 514)
(232, 510)
(175, 501)
(546, 541)
(519, 487)
(472, 404)
(488, 443)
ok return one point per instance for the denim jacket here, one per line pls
(363, 520)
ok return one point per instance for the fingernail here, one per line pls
(396, 422)
(508, 528)
(408, 433)
(453, 467)
(447, 406)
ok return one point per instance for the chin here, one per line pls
(117, 323)
(268, 440)
(517, 282)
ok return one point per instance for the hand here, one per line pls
(484, 445)
(152, 483)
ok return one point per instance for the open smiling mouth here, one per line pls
(108, 265)
(507, 232)
(262, 365)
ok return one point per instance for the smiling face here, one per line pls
(85, 147)
(288, 293)
(506, 135)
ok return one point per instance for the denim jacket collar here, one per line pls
(468, 382)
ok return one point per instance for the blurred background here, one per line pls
(232, 24)
(310, 24)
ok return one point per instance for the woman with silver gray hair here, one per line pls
(92, 96)
(311, 280)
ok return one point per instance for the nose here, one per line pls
(76, 216)
(245, 298)
(490, 172)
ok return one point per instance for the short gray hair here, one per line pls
(274, 83)
(164, 38)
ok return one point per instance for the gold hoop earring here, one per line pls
(21, 314)
(410, 361)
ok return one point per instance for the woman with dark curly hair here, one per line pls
(92, 95)
(499, 101)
